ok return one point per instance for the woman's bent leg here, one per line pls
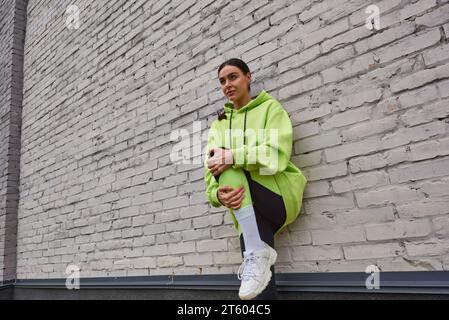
(236, 178)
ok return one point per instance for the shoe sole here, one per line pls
(266, 278)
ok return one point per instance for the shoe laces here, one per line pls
(246, 269)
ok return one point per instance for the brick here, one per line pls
(326, 171)
(352, 149)
(389, 105)
(436, 55)
(427, 248)
(154, 229)
(291, 9)
(435, 17)
(360, 64)
(300, 31)
(387, 195)
(311, 114)
(306, 129)
(435, 188)
(316, 253)
(426, 113)
(398, 230)
(346, 38)
(325, 33)
(147, 262)
(416, 8)
(198, 259)
(317, 142)
(259, 51)
(179, 225)
(299, 59)
(417, 97)
(226, 258)
(306, 160)
(423, 208)
(383, 250)
(408, 45)
(210, 220)
(420, 78)
(347, 118)
(369, 128)
(357, 99)
(177, 202)
(277, 30)
(301, 86)
(360, 181)
(428, 149)
(441, 225)
(419, 171)
(316, 189)
(224, 232)
(300, 237)
(295, 104)
(196, 234)
(443, 88)
(406, 135)
(340, 235)
(164, 194)
(319, 8)
(364, 216)
(169, 261)
(194, 211)
(387, 36)
(181, 247)
(329, 204)
(168, 237)
(212, 245)
(144, 241)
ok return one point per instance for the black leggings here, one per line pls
(270, 216)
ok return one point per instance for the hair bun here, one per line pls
(221, 115)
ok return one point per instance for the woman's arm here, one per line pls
(272, 153)
(211, 182)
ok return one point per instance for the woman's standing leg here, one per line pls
(266, 234)
(270, 216)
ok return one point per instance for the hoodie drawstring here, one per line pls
(244, 128)
(230, 126)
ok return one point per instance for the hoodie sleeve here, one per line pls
(272, 151)
(211, 182)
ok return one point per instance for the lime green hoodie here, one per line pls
(258, 116)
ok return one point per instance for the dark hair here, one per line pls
(236, 63)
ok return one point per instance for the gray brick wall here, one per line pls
(369, 109)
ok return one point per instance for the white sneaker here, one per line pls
(255, 271)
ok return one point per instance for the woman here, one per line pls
(249, 171)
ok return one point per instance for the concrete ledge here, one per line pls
(422, 284)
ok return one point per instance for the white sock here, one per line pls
(246, 218)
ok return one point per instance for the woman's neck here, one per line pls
(242, 102)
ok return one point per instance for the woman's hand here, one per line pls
(221, 160)
(231, 197)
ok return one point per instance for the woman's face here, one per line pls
(234, 83)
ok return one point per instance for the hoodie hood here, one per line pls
(254, 102)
